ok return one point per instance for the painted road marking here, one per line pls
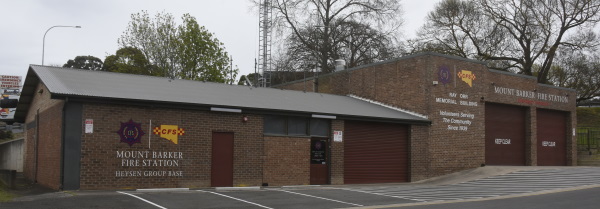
(441, 202)
(323, 198)
(151, 203)
(518, 182)
(259, 205)
(384, 195)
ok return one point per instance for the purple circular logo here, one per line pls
(131, 132)
(444, 75)
(318, 145)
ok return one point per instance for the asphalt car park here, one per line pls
(523, 182)
(309, 197)
(265, 198)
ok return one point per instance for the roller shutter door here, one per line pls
(504, 134)
(375, 152)
(551, 138)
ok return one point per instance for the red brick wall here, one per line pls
(45, 166)
(49, 148)
(379, 83)
(419, 153)
(455, 146)
(257, 159)
(287, 161)
(337, 154)
(408, 83)
(99, 161)
(28, 154)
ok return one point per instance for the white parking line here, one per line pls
(322, 198)
(151, 203)
(381, 194)
(259, 205)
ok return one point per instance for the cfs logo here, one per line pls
(169, 132)
(467, 76)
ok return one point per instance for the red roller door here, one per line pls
(551, 138)
(504, 134)
(375, 152)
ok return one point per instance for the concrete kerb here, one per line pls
(218, 189)
(301, 186)
(163, 190)
(52, 195)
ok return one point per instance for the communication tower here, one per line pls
(264, 49)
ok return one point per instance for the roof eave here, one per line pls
(245, 110)
(31, 82)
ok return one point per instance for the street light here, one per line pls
(44, 41)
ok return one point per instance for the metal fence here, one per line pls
(588, 138)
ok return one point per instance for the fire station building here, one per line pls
(479, 116)
(401, 120)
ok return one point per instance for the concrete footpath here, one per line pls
(26, 190)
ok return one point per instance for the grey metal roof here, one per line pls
(67, 82)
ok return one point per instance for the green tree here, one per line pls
(201, 56)
(85, 62)
(187, 51)
(129, 60)
(155, 38)
(252, 78)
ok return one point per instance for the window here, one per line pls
(296, 126)
(274, 124)
(319, 127)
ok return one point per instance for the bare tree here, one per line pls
(308, 20)
(579, 70)
(360, 44)
(356, 43)
(510, 34)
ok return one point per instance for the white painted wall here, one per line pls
(11, 155)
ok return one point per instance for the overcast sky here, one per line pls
(24, 22)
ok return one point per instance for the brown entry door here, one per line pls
(318, 161)
(222, 160)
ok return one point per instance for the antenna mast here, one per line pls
(264, 48)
